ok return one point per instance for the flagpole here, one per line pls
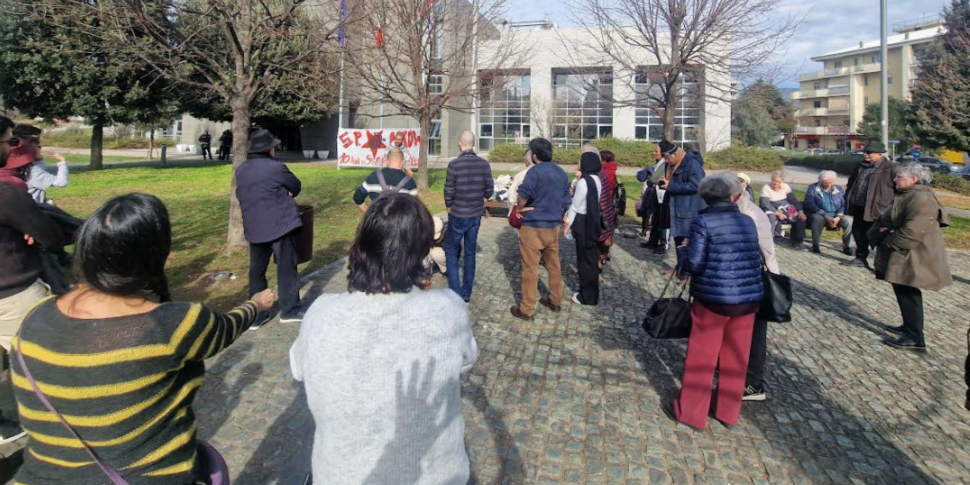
(340, 102)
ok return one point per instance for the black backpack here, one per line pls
(387, 190)
(619, 199)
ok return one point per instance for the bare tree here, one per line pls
(661, 43)
(233, 51)
(421, 57)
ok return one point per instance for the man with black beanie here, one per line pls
(683, 174)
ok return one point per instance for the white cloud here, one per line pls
(829, 25)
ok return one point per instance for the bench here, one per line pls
(495, 204)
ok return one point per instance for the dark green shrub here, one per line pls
(507, 153)
(631, 153)
(841, 164)
(745, 159)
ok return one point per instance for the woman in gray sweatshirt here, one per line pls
(382, 363)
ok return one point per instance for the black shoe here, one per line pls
(650, 244)
(797, 245)
(752, 393)
(900, 329)
(262, 319)
(521, 316)
(906, 343)
(295, 318)
(668, 410)
(816, 250)
(857, 262)
(847, 251)
(660, 250)
(11, 431)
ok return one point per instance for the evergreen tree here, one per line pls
(899, 126)
(941, 96)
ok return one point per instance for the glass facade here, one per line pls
(687, 118)
(504, 108)
(582, 106)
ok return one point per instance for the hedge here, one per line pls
(627, 153)
(841, 164)
(951, 184)
(82, 139)
(745, 159)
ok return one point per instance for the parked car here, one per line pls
(936, 165)
(962, 172)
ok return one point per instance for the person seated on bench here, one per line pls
(825, 204)
(782, 207)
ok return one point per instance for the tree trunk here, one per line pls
(236, 239)
(425, 121)
(151, 144)
(670, 110)
(97, 147)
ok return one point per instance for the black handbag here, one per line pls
(669, 318)
(777, 302)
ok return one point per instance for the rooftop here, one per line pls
(907, 37)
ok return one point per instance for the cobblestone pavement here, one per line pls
(575, 397)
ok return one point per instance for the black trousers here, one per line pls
(587, 262)
(206, 150)
(911, 306)
(859, 228)
(759, 355)
(287, 275)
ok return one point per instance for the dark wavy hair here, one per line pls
(393, 240)
(122, 248)
(607, 156)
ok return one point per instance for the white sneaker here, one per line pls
(576, 299)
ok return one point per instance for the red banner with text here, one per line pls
(369, 148)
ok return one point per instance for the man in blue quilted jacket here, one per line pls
(724, 263)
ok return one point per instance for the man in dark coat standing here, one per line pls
(266, 188)
(869, 191)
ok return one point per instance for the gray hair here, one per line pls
(777, 175)
(719, 187)
(827, 174)
(591, 149)
(912, 169)
(528, 158)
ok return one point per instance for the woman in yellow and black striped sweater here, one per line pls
(122, 369)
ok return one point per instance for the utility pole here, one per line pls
(884, 69)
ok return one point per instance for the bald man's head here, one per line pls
(395, 158)
(466, 140)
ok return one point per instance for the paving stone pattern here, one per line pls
(575, 397)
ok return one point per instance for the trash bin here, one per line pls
(304, 244)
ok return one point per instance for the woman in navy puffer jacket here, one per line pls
(724, 261)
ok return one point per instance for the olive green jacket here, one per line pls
(911, 251)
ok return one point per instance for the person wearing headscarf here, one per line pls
(583, 222)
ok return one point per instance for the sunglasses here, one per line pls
(13, 142)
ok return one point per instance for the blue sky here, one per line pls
(829, 25)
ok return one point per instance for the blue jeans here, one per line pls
(458, 230)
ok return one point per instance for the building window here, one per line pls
(865, 79)
(865, 100)
(504, 110)
(890, 80)
(687, 119)
(818, 122)
(817, 85)
(436, 84)
(818, 104)
(876, 59)
(838, 64)
(855, 61)
(434, 138)
(582, 106)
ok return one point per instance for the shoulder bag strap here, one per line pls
(400, 185)
(110, 472)
(380, 179)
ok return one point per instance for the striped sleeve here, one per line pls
(219, 330)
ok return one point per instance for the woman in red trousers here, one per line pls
(724, 262)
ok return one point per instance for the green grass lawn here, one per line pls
(198, 202)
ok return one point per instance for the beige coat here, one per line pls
(766, 237)
(912, 253)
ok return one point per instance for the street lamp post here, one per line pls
(884, 68)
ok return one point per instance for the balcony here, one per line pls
(821, 93)
(836, 111)
(822, 130)
(865, 68)
(842, 71)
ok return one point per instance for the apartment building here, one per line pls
(832, 101)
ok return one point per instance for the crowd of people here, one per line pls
(104, 375)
